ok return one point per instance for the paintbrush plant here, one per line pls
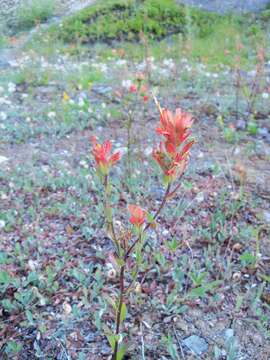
(172, 155)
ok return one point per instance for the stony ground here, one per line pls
(228, 5)
(210, 298)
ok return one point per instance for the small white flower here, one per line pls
(11, 87)
(90, 110)
(84, 164)
(126, 83)
(51, 114)
(2, 224)
(3, 159)
(81, 102)
(103, 105)
(3, 116)
(121, 62)
(265, 95)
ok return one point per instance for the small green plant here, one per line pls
(252, 127)
(32, 12)
(125, 20)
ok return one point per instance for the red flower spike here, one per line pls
(172, 154)
(104, 160)
(138, 215)
(174, 127)
(133, 88)
(145, 98)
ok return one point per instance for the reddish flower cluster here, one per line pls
(142, 90)
(137, 215)
(172, 154)
(103, 157)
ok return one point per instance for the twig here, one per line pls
(179, 343)
(142, 340)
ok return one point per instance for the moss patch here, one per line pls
(124, 20)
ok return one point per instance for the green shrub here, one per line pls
(124, 20)
(32, 12)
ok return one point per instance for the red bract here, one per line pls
(102, 154)
(172, 154)
(133, 88)
(138, 215)
(174, 127)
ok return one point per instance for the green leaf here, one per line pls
(265, 277)
(110, 301)
(123, 314)
(247, 258)
(29, 316)
(121, 352)
(4, 277)
(112, 340)
(119, 262)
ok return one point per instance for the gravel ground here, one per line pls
(8, 7)
(228, 5)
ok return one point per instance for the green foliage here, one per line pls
(32, 12)
(125, 20)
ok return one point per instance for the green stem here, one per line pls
(119, 309)
(167, 192)
(108, 214)
(129, 125)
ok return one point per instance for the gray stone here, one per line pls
(101, 90)
(263, 132)
(229, 333)
(266, 216)
(196, 344)
(240, 124)
(267, 138)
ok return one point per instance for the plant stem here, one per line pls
(108, 213)
(119, 309)
(149, 224)
(129, 124)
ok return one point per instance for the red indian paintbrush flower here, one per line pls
(102, 154)
(174, 127)
(138, 215)
(172, 154)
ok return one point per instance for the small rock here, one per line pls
(267, 138)
(263, 132)
(3, 159)
(200, 155)
(181, 325)
(229, 333)
(196, 344)
(237, 151)
(266, 216)
(102, 90)
(240, 124)
(200, 197)
(148, 151)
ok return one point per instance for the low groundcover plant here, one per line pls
(172, 155)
